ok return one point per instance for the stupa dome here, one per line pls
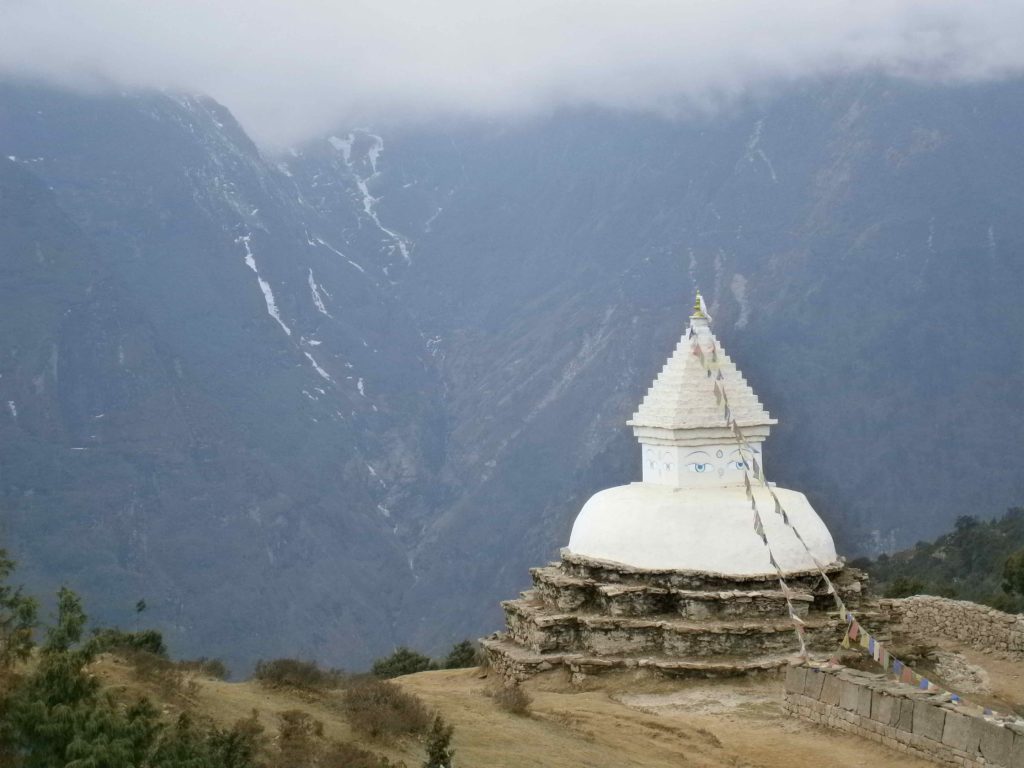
(691, 512)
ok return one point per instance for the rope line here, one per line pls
(855, 632)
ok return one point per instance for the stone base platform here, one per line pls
(592, 616)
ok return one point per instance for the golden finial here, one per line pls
(698, 310)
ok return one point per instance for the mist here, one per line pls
(291, 71)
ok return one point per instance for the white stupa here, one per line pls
(690, 512)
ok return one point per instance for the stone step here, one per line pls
(541, 629)
(606, 572)
(570, 593)
(516, 662)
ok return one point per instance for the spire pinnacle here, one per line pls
(698, 307)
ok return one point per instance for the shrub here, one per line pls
(294, 673)
(346, 755)
(464, 654)
(513, 699)
(298, 738)
(119, 641)
(158, 671)
(439, 745)
(381, 709)
(214, 668)
(403, 661)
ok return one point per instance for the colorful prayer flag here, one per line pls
(906, 676)
(854, 629)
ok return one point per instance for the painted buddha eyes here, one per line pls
(737, 463)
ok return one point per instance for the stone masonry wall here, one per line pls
(978, 626)
(907, 720)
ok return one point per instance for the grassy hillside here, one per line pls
(968, 563)
(695, 724)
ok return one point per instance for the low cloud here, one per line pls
(292, 70)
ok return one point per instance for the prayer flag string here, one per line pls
(855, 632)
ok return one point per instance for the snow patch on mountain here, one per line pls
(316, 366)
(754, 150)
(368, 200)
(268, 294)
(330, 247)
(344, 146)
(318, 300)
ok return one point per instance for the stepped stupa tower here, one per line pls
(678, 574)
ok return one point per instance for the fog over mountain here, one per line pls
(332, 377)
(291, 72)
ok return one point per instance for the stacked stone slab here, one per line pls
(590, 616)
(906, 719)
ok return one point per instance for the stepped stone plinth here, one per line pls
(703, 567)
(590, 616)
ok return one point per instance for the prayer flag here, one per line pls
(954, 698)
(846, 641)
(756, 466)
(871, 646)
(759, 528)
(864, 638)
(854, 630)
(906, 676)
(924, 684)
(897, 667)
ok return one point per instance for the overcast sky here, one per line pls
(292, 70)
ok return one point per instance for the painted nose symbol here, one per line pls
(721, 471)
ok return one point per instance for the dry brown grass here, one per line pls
(295, 673)
(382, 710)
(567, 727)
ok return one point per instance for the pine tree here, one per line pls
(17, 618)
(439, 749)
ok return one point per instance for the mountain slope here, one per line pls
(343, 398)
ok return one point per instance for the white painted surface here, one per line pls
(700, 529)
(691, 511)
(683, 395)
(703, 465)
